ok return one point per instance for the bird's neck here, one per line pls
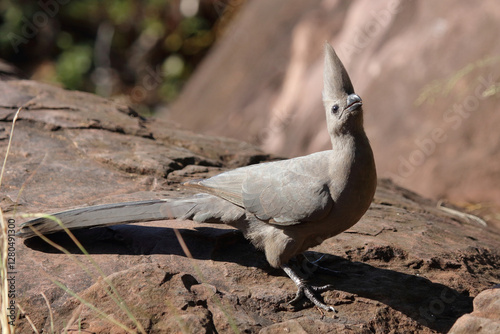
(348, 137)
(352, 127)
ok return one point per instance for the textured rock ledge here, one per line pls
(408, 266)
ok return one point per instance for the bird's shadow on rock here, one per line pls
(204, 243)
(434, 305)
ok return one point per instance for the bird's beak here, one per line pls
(353, 102)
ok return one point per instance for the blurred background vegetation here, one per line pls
(145, 50)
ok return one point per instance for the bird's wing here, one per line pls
(284, 193)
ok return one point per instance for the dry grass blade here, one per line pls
(50, 313)
(29, 320)
(9, 144)
(465, 216)
(100, 313)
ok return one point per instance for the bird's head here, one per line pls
(344, 113)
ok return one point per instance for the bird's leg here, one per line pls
(307, 290)
(309, 266)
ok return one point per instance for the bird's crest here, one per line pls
(336, 79)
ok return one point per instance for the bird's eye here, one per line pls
(335, 108)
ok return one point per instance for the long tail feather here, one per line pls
(200, 208)
(105, 215)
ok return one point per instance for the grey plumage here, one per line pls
(282, 207)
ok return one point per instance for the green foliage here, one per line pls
(73, 64)
(68, 37)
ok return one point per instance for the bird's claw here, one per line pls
(309, 292)
(305, 289)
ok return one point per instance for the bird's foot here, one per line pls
(307, 290)
(310, 292)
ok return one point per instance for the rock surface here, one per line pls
(428, 73)
(486, 315)
(407, 266)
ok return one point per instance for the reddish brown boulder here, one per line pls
(486, 315)
(407, 266)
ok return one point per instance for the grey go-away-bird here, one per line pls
(283, 207)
